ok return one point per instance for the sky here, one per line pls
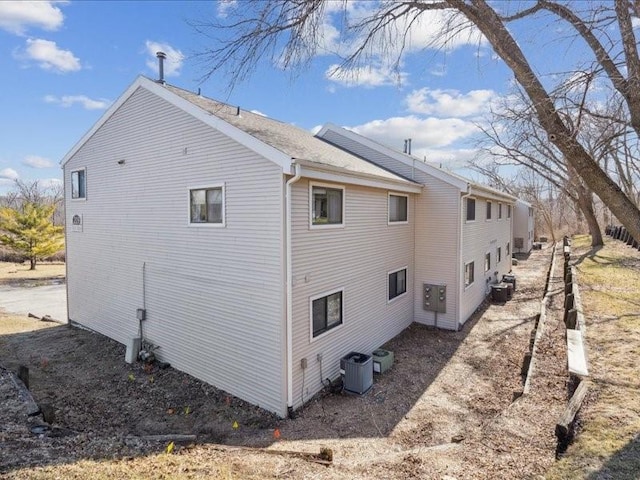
(63, 63)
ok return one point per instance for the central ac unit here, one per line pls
(356, 370)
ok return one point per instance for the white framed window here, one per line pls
(499, 211)
(207, 205)
(508, 211)
(469, 273)
(489, 208)
(508, 249)
(397, 283)
(327, 205)
(487, 262)
(470, 207)
(326, 311)
(79, 184)
(398, 208)
(499, 255)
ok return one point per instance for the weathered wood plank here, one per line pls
(563, 427)
(576, 359)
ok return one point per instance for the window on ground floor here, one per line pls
(469, 273)
(487, 262)
(397, 283)
(326, 312)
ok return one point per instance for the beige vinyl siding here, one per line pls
(480, 237)
(522, 226)
(357, 259)
(437, 258)
(214, 295)
(436, 230)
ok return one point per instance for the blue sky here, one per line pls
(64, 63)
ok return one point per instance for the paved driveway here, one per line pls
(40, 300)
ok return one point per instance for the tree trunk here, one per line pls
(33, 263)
(585, 202)
(488, 22)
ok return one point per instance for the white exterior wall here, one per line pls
(214, 295)
(479, 237)
(437, 257)
(523, 223)
(436, 232)
(357, 258)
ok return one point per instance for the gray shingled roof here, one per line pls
(293, 141)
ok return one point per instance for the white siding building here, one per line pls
(451, 245)
(523, 227)
(262, 254)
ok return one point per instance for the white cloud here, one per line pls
(49, 57)
(172, 63)
(35, 161)
(17, 16)
(224, 6)
(450, 103)
(364, 76)
(87, 103)
(424, 132)
(9, 174)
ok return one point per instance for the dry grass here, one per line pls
(608, 443)
(18, 324)
(16, 272)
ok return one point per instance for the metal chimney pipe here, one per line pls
(161, 57)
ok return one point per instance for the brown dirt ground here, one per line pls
(445, 410)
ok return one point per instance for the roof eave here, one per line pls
(330, 173)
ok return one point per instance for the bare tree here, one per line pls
(288, 32)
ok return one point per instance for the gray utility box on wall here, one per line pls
(434, 297)
(356, 370)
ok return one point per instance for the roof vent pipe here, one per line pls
(161, 57)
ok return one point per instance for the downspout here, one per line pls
(66, 241)
(289, 287)
(461, 261)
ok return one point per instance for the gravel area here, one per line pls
(451, 406)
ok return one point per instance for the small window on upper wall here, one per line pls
(469, 273)
(398, 212)
(508, 249)
(471, 209)
(79, 183)
(499, 255)
(487, 262)
(397, 283)
(508, 211)
(499, 211)
(327, 205)
(489, 206)
(206, 205)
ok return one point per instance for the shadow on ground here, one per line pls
(96, 397)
